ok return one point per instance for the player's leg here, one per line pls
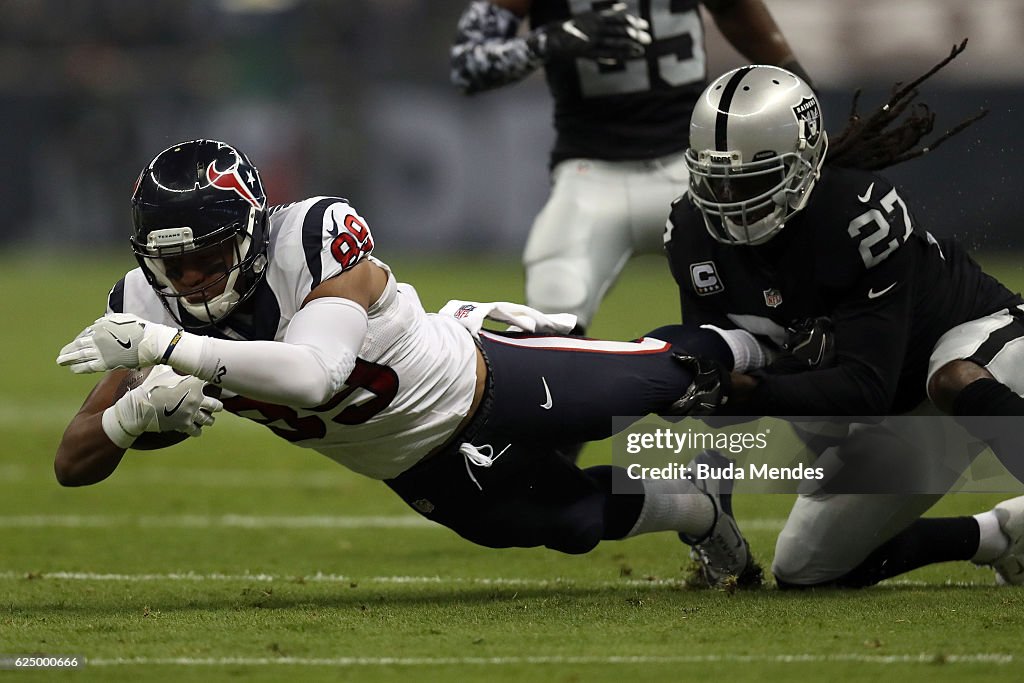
(976, 373)
(552, 388)
(888, 475)
(503, 493)
(568, 389)
(579, 241)
(504, 484)
(651, 190)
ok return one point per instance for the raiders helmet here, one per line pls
(202, 197)
(756, 150)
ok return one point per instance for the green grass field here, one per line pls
(239, 556)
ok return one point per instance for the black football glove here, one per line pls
(608, 35)
(809, 345)
(707, 392)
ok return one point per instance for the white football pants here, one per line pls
(598, 215)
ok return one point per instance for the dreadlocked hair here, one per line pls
(882, 140)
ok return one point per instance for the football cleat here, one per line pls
(723, 555)
(1010, 565)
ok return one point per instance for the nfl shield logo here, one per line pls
(464, 310)
(772, 298)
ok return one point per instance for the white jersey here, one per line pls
(415, 374)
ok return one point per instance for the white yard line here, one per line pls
(336, 478)
(265, 521)
(321, 577)
(920, 658)
(220, 521)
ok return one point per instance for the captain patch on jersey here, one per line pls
(705, 278)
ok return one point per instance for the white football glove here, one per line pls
(117, 340)
(164, 402)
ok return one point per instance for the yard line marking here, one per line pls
(920, 658)
(234, 521)
(324, 577)
(221, 521)
(336, 479)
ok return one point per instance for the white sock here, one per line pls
(992, 541)
(674, 505)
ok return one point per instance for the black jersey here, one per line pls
(639, 109)
(857, 255)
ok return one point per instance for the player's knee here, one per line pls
(558, 287)
(579, 528)
(947, 382)
(791, 561)
(801, 563)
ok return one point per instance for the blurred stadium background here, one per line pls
(237, 555)
(351, 97)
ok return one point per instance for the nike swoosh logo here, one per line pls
(546, 405)
(571, 28)
(172, 411)
(872, 294)
(124, 344)
(867, 195)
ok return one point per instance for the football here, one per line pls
(147, 441)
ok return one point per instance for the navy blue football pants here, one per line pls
(546, 393)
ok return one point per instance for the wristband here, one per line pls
(114, 431)
(170, 348)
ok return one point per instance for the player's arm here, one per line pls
(305, 369)
(488, 51)
(871, 336)
(113, 417)
(750, 28)
(85, 454)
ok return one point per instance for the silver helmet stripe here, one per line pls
(722, 121)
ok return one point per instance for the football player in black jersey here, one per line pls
(624, 78)
(778, 228)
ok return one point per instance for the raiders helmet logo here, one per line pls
(809, 115)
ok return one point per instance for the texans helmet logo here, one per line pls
(232, 181)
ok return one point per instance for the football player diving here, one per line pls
(287, 314)
(784, 229)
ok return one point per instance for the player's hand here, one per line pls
(117, 340)
(164, 402)
(709, 389)
(809, 345)
(608, 35)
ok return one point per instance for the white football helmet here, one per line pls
(756, 149)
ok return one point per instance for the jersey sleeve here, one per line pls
(690, 276)
(335, 238)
